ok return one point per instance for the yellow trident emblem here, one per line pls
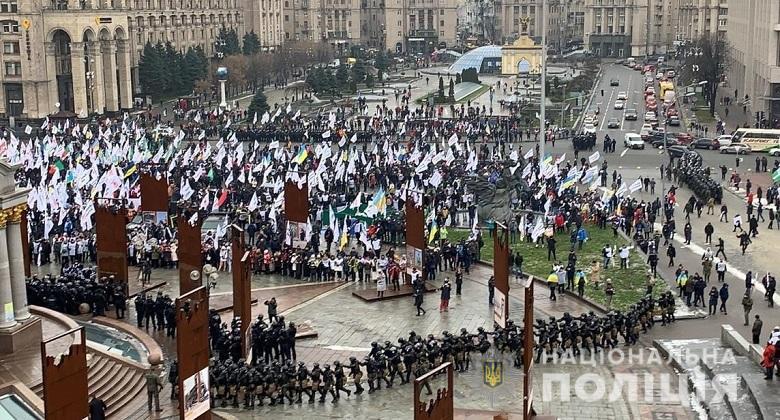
(492, 373)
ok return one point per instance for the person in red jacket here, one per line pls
(768, 360)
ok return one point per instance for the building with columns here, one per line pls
(264, 17)
(403, 26)
(696, 18)
(498, 21)
(83, 54)
(629, 28)
(420, 26)
(752, 33)
(17, 327)
(334, 21)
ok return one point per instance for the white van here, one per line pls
(633, 141)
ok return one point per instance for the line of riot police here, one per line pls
(274, 378)
(689, 171)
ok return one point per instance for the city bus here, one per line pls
(759, 140)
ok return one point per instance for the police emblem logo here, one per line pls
(492, 372)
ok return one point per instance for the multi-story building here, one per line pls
(413, 26)
(755, 53)
(498, 21)
(372, 24)
(394, 25)
(264, 17)
(696, 18)
(334, 21)
(622, 28)
(80, 55)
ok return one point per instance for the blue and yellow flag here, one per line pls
(130, 171)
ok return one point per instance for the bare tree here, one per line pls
(707, 59)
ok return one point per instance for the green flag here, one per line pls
(211, 174)
(776, 175)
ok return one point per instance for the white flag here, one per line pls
(253, 203)
(204, 203)
(594, 157)
(529, 154)
(635, 186)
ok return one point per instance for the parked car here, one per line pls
(619, 104)
(674, 120)
(724, 140)
(704, 143)
(645, 131)
(614, 82)
(670, 141)
(622, 95)
(684, 138)
(613, 123)
(630, 114)
(679, 151)
(633, 141)
(775, 151)
(736, 148)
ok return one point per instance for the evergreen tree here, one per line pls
(259, 105)
(164, 76)
(251, 43)
(381, 64)
(440, 92)
(457, 78)
(151, 71)
(175, 80)
(190, 69)
(315, 79)
(452, 90)
(358, 73)
(202, 65)
(227, 42)
(369, 80)
(342, 76)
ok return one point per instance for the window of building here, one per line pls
(287, 19)
(8, 6)
(441, 23)
(13, 68)
(441, 12)
(10, 27)
(11, 47)
(441, 33)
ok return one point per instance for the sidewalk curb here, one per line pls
(596, 82)
(586, 302)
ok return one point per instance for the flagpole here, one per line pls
(542, 118)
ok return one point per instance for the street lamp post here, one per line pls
(542, 119)
(222, 75)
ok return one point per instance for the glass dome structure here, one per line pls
(486, 59)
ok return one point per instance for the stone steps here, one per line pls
(115, 383)
(716, 378)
